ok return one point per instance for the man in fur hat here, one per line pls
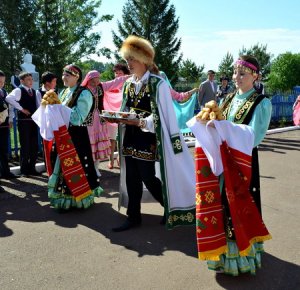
(153, 136)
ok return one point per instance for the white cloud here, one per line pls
(207, 48)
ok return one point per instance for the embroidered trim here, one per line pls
(176, 142)
(243, 109)
(136, 98)
(181, 218)
(142, 123)
(139, 154)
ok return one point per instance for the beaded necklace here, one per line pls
(64, 95)
(136, 98)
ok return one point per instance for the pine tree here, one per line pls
(190, 71)
(226, 66)
(156, 21)
(260, 52)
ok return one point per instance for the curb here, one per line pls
(280, 130)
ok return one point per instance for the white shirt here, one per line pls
(212, 85)
(139, 83)
(14, 97)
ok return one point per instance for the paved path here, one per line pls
(41, 249)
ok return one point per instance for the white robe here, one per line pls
(177, 168)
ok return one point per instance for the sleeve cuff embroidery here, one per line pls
(176, 143)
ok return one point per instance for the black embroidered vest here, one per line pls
(246, 109)
(137, 143)
(97, 105)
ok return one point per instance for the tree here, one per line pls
(260, 52)
(285, 72)
(65, 28)
(106, 69)
(17, 30)
(90, 64)
(226, 65)
(190, 71)
(156, 21)
(108, 73)
(55, 32)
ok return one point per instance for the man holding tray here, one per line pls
(152, 136)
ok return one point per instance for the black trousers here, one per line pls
(137, 173)
(4, 167)
(28, 134)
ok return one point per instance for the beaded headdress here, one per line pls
(246, 66)
(72, 70)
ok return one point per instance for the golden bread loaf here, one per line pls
(50, 98)
(211, 111)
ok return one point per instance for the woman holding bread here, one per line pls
(73, 181)
(247, 107)
(229, 228)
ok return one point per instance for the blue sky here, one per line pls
(210, 29)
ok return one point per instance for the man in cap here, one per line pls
(153, 136)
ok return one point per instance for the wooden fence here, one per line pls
(282, 106)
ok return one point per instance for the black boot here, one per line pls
(163, 220)
(127, 225)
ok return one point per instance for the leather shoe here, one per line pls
(10, 176)
(127, 225)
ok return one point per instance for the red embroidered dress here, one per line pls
(229, 224)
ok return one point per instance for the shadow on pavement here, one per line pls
(276, 145)
(28, 202)
(275, 274)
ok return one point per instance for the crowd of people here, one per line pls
(153, 156)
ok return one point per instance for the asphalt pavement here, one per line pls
(42, 249)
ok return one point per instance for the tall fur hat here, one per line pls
(138, 48)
